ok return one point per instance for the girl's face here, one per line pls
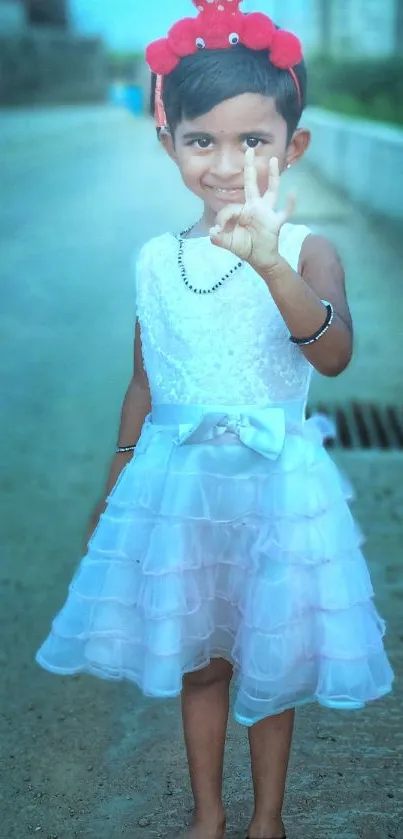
(209, 150)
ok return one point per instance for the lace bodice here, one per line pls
(229, 347)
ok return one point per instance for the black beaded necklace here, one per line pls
(184, 274)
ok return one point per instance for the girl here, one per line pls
(226, 549)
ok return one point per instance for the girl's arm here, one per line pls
(251, 231)
(298, 296)
(136, 406)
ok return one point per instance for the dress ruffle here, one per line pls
(209, 551)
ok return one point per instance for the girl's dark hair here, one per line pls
(209, 77)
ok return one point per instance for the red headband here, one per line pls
(221, 25)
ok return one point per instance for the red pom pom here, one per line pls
(205, 5)
(182, 37)
(286, 50)
(160, 58)
(258, 31)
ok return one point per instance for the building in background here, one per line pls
(342, 27)
(18, 15)
(47, 12)
(300, 16)
(365, 27)
(43, 61)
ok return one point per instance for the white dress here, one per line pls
(228, 534)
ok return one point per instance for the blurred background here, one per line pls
(64, 50)
(83, 183)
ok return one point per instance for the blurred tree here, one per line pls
(363, 86)
(125, 66)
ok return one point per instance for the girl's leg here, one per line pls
(205, 705)
(270, 744)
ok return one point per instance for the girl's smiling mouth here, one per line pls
(227, 192)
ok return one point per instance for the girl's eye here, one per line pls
(200, 43)
(253, 142)
(201, 143)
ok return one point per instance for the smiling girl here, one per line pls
(226, 550)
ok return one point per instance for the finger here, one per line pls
(250, 177)
(222, 239)
(271, 196)
(289, 209)
(232, 212)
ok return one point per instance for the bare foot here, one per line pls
(205, 830)
(268, 829)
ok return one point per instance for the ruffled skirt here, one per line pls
(212, 548)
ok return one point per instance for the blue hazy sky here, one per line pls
(128, 24)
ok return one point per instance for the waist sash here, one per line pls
(262, 429)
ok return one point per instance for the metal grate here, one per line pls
(364, 425)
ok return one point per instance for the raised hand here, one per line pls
(251, 230)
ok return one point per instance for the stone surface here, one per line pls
(81, 189)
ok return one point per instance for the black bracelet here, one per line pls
(313, 338)
(124, 449)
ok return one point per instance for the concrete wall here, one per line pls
(51, 66)
(362, 158)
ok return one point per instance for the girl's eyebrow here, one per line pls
(267, 135)
(196, 135)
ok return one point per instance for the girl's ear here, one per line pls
(299, 144)
(167, 142)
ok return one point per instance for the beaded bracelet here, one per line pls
(313, 338)
(125, 449)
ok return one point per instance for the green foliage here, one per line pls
(125, 65)
(367, 88)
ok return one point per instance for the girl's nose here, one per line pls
(227, 163)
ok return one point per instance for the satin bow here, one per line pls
(262, 430)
